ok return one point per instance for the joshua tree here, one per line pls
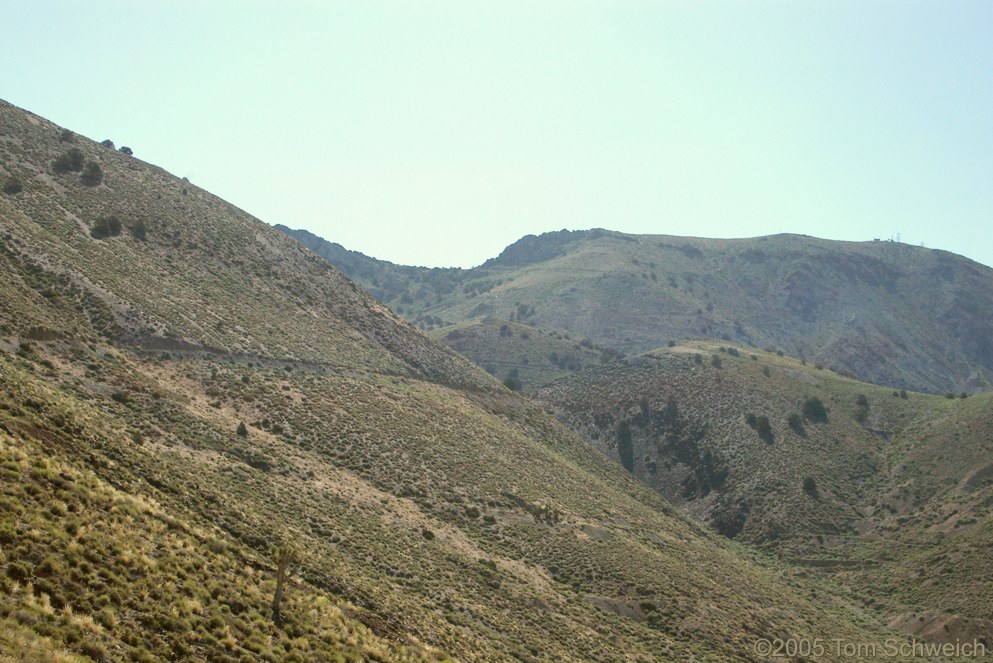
(284, 556)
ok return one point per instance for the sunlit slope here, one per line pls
(433, 512)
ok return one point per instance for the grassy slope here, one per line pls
(906, 486)
(434, 513)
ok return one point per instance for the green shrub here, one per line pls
(106, 226)
(70, 161)
(624, 448)
(12, 186)
(138, 230)
(763, 427)
(715, 361)
(795, 421)
(814, 410)
(92, 174)
(242, 429)
(809, 485)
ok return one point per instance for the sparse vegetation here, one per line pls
(436, 516)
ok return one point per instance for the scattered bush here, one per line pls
(624, 448)
(107, 143)
(751, 419)
(67, 136)
(106, 226)
(427, 534)
(715, 361)
(12, 186)
(70, 161)
(763, 428)
(795, 422)
(513, 380)
(242, 429)
(92, 174)
(138, 230)
(814, 410)
(809, 485)
(126, 150)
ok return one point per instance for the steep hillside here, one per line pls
(186, 391)
(893, 488)
(887, 312)
(522, 356)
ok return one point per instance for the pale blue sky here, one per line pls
(436, 132)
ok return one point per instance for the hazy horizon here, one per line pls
(438, 133)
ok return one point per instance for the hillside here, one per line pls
(890, 491)
(524, 356)
(889, 313)
(186, 389)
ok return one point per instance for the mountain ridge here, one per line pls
(890, 313)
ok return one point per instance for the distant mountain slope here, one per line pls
(185, 388)
(524, 356)
(883, 488)
(887, 312)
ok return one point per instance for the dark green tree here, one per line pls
(814, 410)
(71, 161)
(139, 230)
(513, 380)
(12, 186)
(92, 174)
(625, 450)
(763, 427)
(106, 226)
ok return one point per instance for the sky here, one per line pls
(436, 132)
